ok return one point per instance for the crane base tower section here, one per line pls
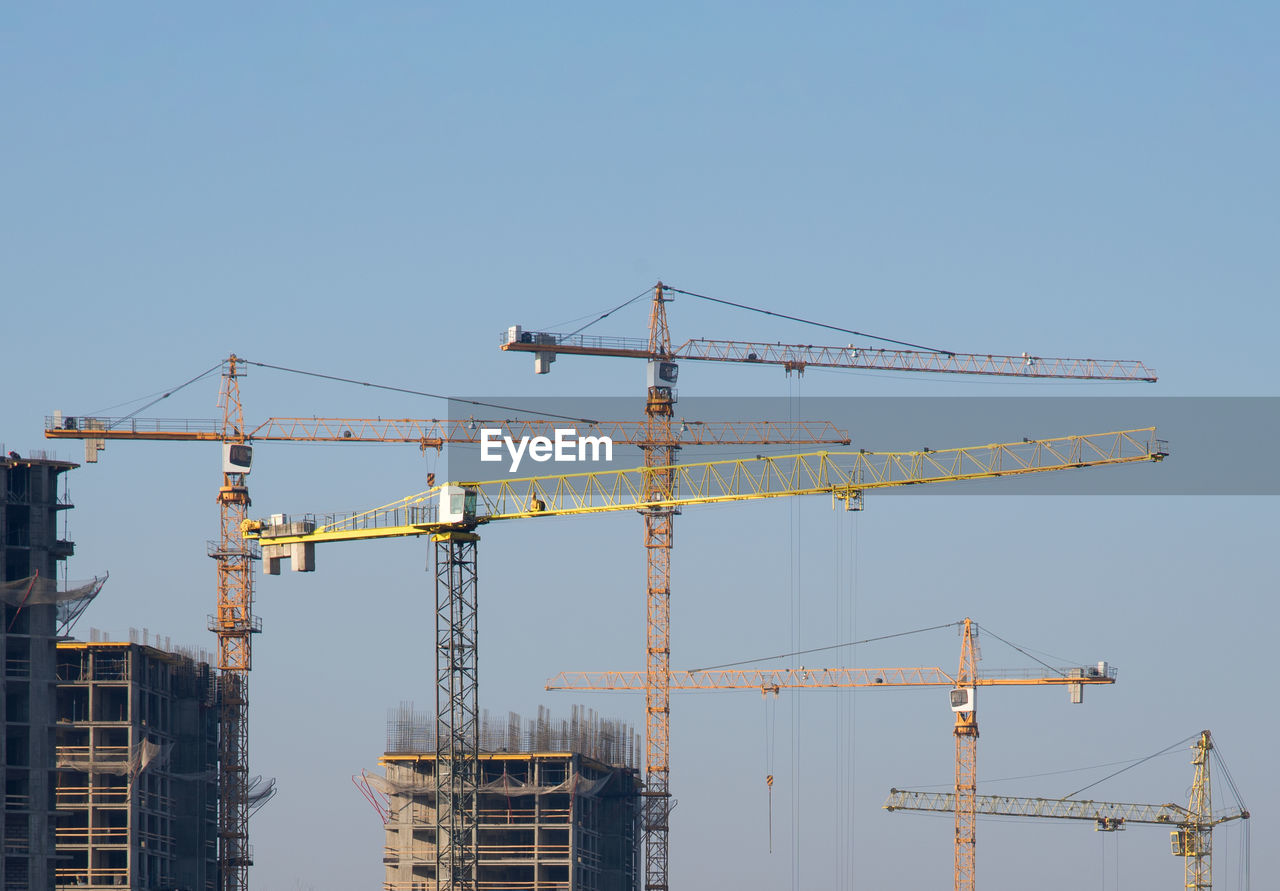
(559, 804)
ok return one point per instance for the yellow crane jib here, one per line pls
(461, 506)
(842, 475)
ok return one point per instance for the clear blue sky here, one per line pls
(376, 192)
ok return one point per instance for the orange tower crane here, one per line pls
(660, 451)
(1191, 838)
(963, 684)
(234, 621)
(450, 514)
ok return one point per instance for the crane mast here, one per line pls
(457, 710)
(1195, 842)
(659, 529)
(234, 625)
(964, 704)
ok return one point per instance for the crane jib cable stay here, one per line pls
(450, 515)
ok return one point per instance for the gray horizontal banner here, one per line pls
(553, 436)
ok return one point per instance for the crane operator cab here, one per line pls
(962, 699)
(457, 506)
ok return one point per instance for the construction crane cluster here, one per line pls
(451, 514)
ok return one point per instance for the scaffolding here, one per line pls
(411, 731)
(557, 803)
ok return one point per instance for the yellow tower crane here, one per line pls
(1191, 838)
(964, 684)
(660, 450)
(450, 514)
(234, 621)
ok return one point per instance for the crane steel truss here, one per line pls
(842, 475)
(234, 624)
(434, 433)
(795, 357)
(1108, 815)
(966, 734)
(659, 532)
(770, 680)
(457, 711)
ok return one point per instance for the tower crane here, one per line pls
(964, 684)
(234, 621)
(660, 450)
(1191, 838)
(451, 513)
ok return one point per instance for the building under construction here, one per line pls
(31, 555)
(558, 803)
(109, 750)
(137, 768)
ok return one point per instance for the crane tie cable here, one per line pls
(782, 315)
(1046, 665)
(477, 402)
(143, 408)
(1222, 766)
(831, 647)
(1163, 751)
(606, 315)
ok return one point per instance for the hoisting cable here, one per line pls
(853, 643)
(770, 746)
(347, 380)
(782, 315)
